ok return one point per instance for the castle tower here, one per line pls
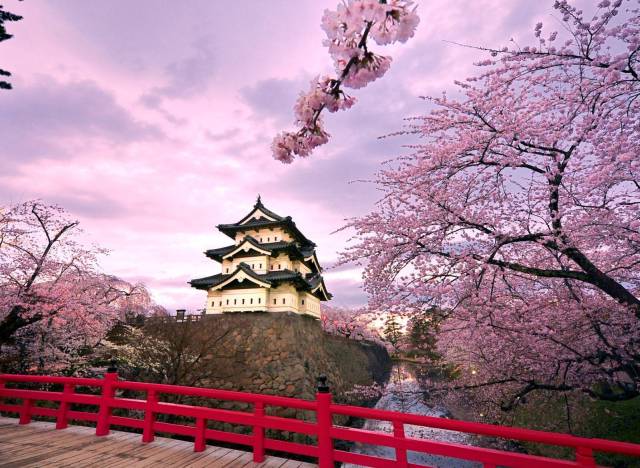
(271, 267)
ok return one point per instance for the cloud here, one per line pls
(274, 98)
(43, 119)
(346, 292)
(222, 136)
(90, 205)
(187, 77)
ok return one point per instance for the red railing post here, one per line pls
(148, 432)
(104, 412)
(401, 450)
(584, 457)
(2, 387)
(258, 432)
(325, 421)
(62, 420)
(201, 426)
(25, 411)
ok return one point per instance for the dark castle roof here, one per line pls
(273, 278)
(295, 250)
(262, 222)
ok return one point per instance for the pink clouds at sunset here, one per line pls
(152, 123)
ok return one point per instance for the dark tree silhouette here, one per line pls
(6, 16)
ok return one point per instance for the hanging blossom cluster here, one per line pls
(348, 30)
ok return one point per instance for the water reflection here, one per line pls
(404, 393)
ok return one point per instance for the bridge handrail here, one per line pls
(493, 430)
(323, 429)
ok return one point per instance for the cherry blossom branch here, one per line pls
(348, 29)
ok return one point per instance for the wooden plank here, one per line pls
(162, 450)
(68, 458)
(138, 453)
(39, 444)
(242, 460)
(229, 458)
(211, 459)
(291, 464)
(31, 457)
(198, 456)
(271, 462)
(207, 458)
(144, 451)
(180, 452)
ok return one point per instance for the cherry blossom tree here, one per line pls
(54, 301)
(349, 29)
(352, 323)
(519, 215)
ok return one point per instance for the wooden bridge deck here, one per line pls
(38, 444)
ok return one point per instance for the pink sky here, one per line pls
(151, 122)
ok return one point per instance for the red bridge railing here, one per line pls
(324, 429)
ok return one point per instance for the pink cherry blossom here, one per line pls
(517, 216)
(348, 29)
(54, 301)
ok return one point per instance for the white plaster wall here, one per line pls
(258, 264)
(231, 300)
(281, 262)
(301, 267)
(284, 298)
(262, 299)
(266, 235)
(311, 305)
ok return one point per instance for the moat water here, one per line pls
(404, 393)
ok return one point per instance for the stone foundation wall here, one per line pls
(282, 354)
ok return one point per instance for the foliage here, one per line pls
(350, 323)
(167, 351)
(348, 29)
(6, 16)
(422, 341)
(392, 331)
(519, 214)
(55, 304)
(581, 416)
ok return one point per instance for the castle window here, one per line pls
(261, 239)
(235, 301)
(259, 300)
(302, 301)
(213, 303)
(251, 301)
(227, 270)
(220, 303)
(260, 266)
(271, 267)
(268, 239)
(242, 301)
(227, 301)
(279, 267)
(274, 302)
(275, 239)
(284, 300)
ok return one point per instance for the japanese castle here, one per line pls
(271, 267)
